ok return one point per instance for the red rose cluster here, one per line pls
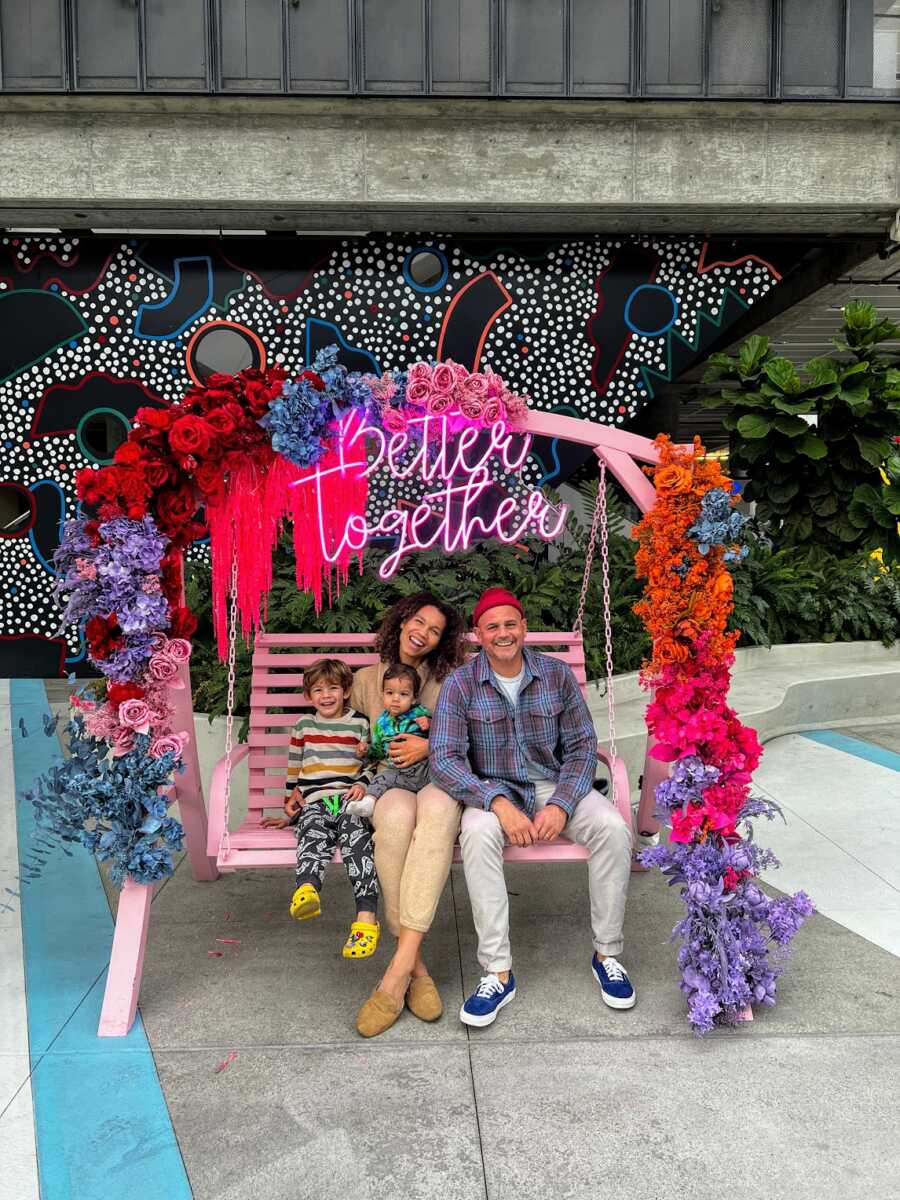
(178, 458)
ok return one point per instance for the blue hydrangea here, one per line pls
(111, 806)
(719, 524)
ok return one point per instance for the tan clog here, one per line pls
(377, 1014)
(423, 999)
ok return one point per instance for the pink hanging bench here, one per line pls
(278, 663)
(276, 699)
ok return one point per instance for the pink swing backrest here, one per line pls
(276, 696)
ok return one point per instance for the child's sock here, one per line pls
(362, 808)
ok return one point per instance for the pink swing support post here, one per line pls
(126, 960)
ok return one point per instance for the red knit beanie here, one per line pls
(494, 597)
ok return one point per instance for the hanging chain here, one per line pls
(589, 557)
(607, 617)
(225, 844)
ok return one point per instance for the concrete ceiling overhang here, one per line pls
(359, 165)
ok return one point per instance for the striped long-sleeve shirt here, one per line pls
(322, 759)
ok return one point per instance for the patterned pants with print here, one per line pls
(318, 832)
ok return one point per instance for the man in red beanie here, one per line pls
(513, 741)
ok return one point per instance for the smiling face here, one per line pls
(421, 633)
(329, 699)
(398, 696)
(501, 632)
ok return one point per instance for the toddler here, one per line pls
(399, 690)
(325, 771)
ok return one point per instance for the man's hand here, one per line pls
(550, 822)
(406, 749)
(356, 792)
(519, 830)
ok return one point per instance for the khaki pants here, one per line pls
(595, 824)
(414, 836)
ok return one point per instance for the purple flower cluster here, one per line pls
(115, 570)
(730, 923)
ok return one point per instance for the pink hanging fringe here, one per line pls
(249, 519)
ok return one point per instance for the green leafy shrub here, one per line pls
(836, 484)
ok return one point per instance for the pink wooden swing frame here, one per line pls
(621, 452)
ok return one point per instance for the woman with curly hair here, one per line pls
(414, 832)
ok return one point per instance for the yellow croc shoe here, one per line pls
(305, 903)
(362, 941)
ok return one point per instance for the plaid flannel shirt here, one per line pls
(481, 749)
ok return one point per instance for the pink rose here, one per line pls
(179, 650)
(460, 373)
(393, 420)
(168, 743)
(516, 406)
(419, 372)
(159, 641)
(151, 585)
(135, 715)
(440, 403)
(471, 408)
(492, 411)
(442, 378)
(122, 741)
(162, 667)
(475, 386)
(418, 393)
(85, 569)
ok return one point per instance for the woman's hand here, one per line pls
(406, 749)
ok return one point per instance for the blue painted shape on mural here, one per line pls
(421, 287)
(648, 374)
(320, 334)
(51, 483)
(557, 466)
(66, 934)
(179, 295)
(642, 290)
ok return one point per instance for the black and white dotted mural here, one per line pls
(92, 329)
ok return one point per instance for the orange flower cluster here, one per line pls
(688, 594)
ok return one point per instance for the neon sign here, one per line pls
(453, 461)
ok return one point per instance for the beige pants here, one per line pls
(596, 824)
(414, 836)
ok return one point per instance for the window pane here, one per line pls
(874, 67)
(739, 48)
(812, 43)
(251, 45)
(461, 45)
(673, 46)
(175, 38)
(601, 46)
(31, 43)
(106, 44)
(394, 51)
(534, 39)
(319, 44)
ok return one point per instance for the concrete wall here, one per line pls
(295, 163)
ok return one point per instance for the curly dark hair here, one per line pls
(450, 651)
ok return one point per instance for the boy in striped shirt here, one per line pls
(325, 771)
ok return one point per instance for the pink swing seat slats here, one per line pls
(276, 700)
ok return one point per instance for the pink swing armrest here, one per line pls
(217, 798)
(618, 773)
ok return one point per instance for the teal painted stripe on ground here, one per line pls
(880, 755)
(101, 1120)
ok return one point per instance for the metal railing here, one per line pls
(763, 49)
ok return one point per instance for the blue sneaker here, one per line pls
(615, 986)
(489, 997)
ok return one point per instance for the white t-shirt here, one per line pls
(511, 685)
